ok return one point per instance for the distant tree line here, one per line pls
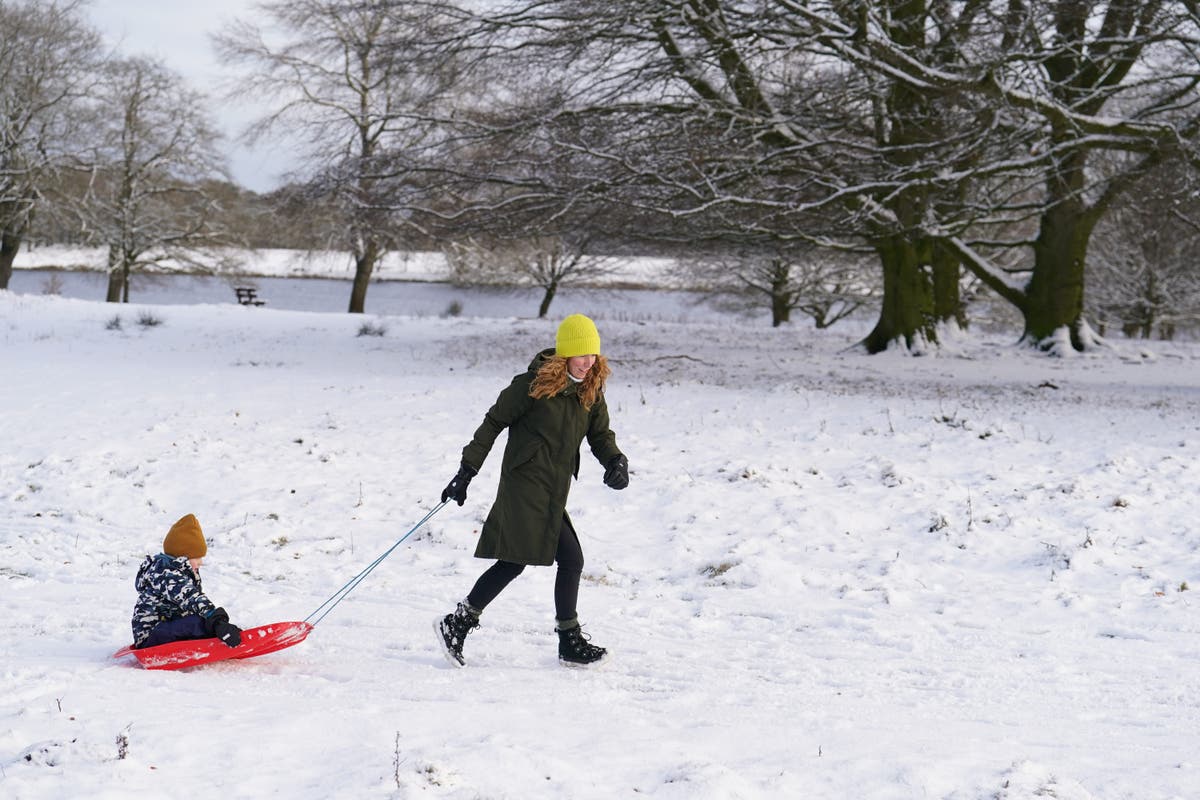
(810, 157)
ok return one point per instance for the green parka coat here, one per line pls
(540, 459)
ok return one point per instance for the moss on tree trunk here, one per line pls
(947, 298)
(907, 311)
(1054, 296)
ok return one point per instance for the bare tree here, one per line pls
(1142, 275)
(824, 285)
(955, 113)
(1093, 79)
(147, 199)
(549, 263)
(738, 123)
(1059, 85)
(48, 57)
(942, 135)
(348, 81)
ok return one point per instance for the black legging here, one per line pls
(569, 558)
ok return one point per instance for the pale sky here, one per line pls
(177, 32)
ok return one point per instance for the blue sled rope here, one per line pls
(340, 595)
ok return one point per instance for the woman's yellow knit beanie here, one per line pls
(185, 539)
(577, 336)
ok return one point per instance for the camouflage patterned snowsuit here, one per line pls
(168, 589)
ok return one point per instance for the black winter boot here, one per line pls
(574, 649)
(452, 631)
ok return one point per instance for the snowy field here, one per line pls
(971, 576)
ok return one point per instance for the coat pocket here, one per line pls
(523, 455)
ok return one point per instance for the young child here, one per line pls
(171, 604)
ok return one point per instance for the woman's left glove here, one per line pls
(616, 474)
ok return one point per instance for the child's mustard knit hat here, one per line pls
(185, 539)
(577, 336)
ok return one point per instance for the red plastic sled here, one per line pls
(192, 652)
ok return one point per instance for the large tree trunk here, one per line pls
(907, 312)
(9, 245)
(947, 298)
(364, 267)
(1054, 296)
(1055, 293)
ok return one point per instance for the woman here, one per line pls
(548, 411)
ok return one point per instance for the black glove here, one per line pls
(228, 633)
(217, 624)
(617, 473)
(457, 488)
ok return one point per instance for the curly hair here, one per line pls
(552, 378)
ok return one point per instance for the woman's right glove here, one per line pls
(457, 488)
(617, 473)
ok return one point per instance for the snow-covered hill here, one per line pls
(965, 576)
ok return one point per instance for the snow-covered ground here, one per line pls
(967, 576)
